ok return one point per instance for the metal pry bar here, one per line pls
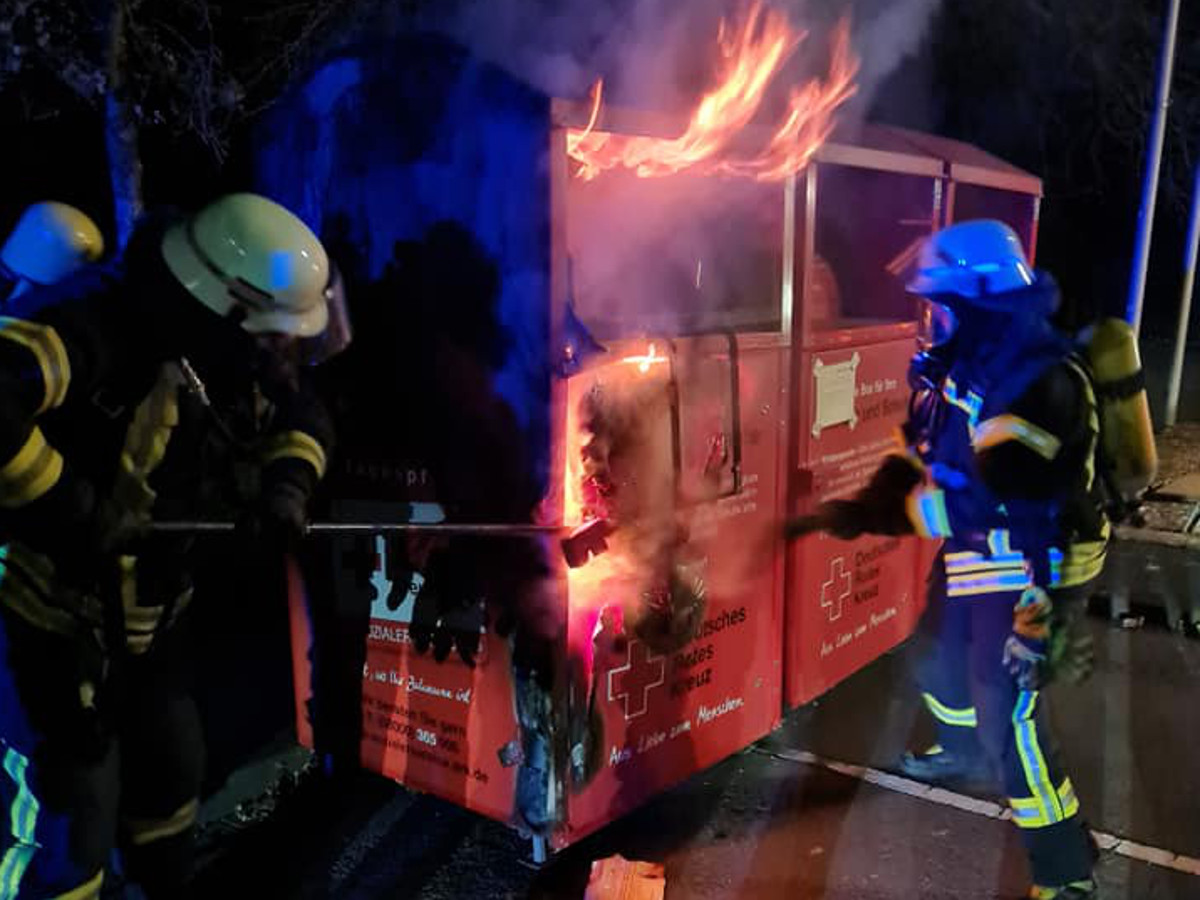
(335, 528)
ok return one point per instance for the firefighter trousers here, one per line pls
(93, 754)
(979, 708)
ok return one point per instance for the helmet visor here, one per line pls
(338, 332)
(936, 324)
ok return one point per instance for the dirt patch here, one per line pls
(1178, 455)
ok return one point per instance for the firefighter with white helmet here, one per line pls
(129, 391)
(50, 241)
(1002, 462)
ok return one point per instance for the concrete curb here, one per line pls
(1108, 842)
(1161, 538)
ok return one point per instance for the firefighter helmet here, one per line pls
(49, 242)
(973, 260)
(247, 257)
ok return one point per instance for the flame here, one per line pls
(752, 53)
(644, 363)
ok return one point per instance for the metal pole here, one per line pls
(1141, 259)
(1185, 304)
(370, 528)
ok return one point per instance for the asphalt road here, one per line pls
(774, 821)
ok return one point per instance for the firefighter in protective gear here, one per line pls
(1000, 465)
(129, 391)
(49, 242)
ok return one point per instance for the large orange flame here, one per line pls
(752, 52)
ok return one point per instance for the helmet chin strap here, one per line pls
(237, 312)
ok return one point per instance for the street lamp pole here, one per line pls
(1158, 129)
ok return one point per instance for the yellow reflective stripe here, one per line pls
(972, 404)
(964, 556)
(1008, 427)
(47, 348)
(981, 564)
(296, 445)
(1067, 798)
(963, 718)
(150, 431)
(25, 593)
(1000, 568)
(146, 441)
(141, 624)
(138, 644)
(1083, 562)
(1029, 812)
(22, 816)
(142, 618)
(1093, 421)
(146, 831)
(1033, 761)
(34, 469)
(999, 542)
(89, 890)
(1011, 579)
(25, 603)
(926, 508)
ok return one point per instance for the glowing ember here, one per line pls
(645, 362)
(752, 53)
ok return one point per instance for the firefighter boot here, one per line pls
(1076, 890)
(938, 766)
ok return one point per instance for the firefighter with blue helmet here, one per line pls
(50, 241)
(1000, 465)
(129, 391)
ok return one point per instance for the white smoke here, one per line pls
(697, 245)
(886, 33)
(657, 53)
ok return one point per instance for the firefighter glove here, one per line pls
(85, 546)
(117, 529)
(280, 518)
(1026, 651)
(1025, 660)
(802, 526)
(844, 519)
(445, 636)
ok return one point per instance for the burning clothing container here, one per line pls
(672, 362)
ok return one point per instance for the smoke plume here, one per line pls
(657, 54)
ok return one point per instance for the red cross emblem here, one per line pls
(836, 591)
(632, 682)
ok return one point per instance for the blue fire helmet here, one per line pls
(49, 242)
(978, 261)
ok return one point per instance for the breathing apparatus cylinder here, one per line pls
(1126, 432)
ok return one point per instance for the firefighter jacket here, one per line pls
(1006, 473)
(122, 399)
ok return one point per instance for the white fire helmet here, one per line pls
(247, 257)
(50, 241)
(973, 260)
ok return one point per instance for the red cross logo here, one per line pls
(838, 577)
(633, 681)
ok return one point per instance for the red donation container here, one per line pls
(689, 359)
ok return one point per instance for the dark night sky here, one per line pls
(1067, 97)
(1041, 94)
